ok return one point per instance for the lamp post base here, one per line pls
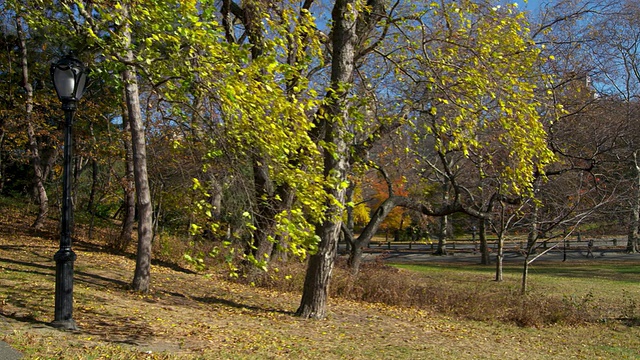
(64, 324)
(63, 318)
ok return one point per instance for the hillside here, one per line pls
(188, 315)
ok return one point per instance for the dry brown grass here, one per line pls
(469, 296)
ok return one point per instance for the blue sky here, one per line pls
(531, 4)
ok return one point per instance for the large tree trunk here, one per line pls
(128, 187)
(142, 275)
(320, 266)
(634, 221)
(38, 178)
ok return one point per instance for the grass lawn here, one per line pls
(191, 316)
(612, 288)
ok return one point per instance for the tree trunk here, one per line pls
(531, 243)
(129, 189)
(91, 206)
(442, 236)
(316, 285)
(287, 194)
(634, 221)
(2, 165)
(320, 266)
(216, 197)
(267, 207)
(500, 257)
(266, 210)
(349, 225)
(38, 178)
(525, 275)
(355, 257)
(142, 275)
(444, 225)
(485, 258)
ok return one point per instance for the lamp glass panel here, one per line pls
(64, 82)
(81, 83)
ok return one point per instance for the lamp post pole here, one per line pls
(69, 77)
(65, 256)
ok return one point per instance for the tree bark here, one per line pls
(355, 256)
(91, 206)
(485, 258)
(499, 258)
(634, 221)
(348, 226)
(442, 236)
(531, 243)
(280, 252)
(128, 187)
(266, 210)
(36, 161)
(3, 175)
(320, 266)
(444, 226)
(500, 254)
(142, 274)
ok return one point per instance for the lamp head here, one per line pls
(69, 78)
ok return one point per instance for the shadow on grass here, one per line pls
(120, 329)
(22, 228)
(101, 280)
(22, 317)
(91, 247)
(79, 276)
(50, 268)
(238, 305)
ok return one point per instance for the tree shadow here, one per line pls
(79, 276)
(24, 229)
(238, 305)
(119, 329)
(94, 248)
(22, 317)
(29, 264)
(100, 280)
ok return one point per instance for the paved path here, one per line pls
(8, 353)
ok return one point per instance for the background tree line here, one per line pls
(266, 130)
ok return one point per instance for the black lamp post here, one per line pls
(69, 78)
